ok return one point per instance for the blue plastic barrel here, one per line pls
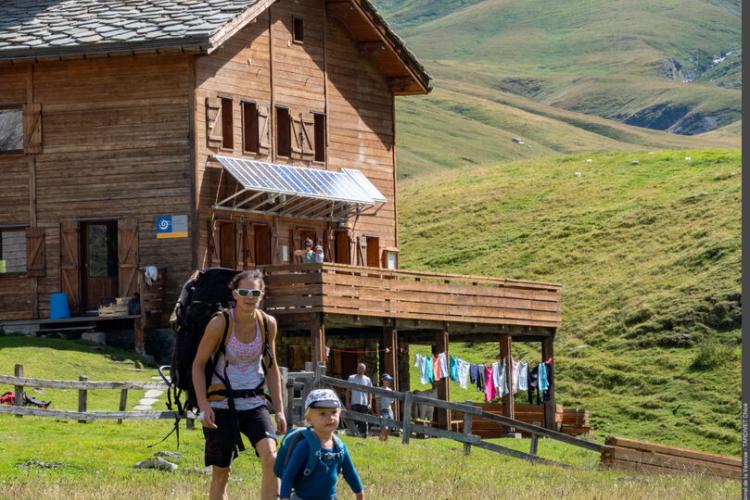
(58, 306)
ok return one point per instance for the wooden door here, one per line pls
(98, 263)
(343, 247)
(127, 256)
(373, 252)
(70, 262)
(262, 250)
(228, 245)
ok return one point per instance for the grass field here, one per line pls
(50, 458)
(649, 258)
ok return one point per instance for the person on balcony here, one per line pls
(357, 400)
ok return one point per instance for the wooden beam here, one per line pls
(506, 356)
(549, 404)
(400, 84)
(390, 361)
(443, 385)
(318, 341)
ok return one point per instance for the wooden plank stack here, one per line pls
(117, 308)
(530, 414)
(575, 422)
(640, 456)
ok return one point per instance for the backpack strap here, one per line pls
(312, 457)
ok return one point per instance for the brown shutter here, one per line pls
(361, 250)
(296, 123)
(127, 256)
(70, 262)
(32, 128)
(307, 131)
(214, 134)
(264, 130)
(35, 256)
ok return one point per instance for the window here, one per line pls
(13, 250)
(227, 127)
(250, 127)
(320, 136)
(11, 128)
(283, 132)
(298, 30)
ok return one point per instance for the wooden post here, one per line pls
(82, 398)
(290, 402)
(139, 335)
(534, 444)
(549, 405)
(507, 357)
(443, 385)
(19, 388)
(284, 392)
(390, 361)
(406, 419)
(318, 341)
(467, 429)
(123, 402)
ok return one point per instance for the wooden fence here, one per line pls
(83, 385)
(317, 379)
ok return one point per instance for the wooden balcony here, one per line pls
(344, 296)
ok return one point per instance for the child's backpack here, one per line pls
(313, 443)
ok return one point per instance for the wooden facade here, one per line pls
(114, 139)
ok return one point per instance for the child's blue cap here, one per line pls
(387, 377)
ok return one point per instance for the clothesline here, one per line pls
(362, 351)
(490, 378)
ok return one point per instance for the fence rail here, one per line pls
(407, 427)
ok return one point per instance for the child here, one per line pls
(386, 404)
(322, 408)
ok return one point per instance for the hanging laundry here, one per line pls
(436, 368)
(474, 375)
(463, 374)
(453, 368)
(423, 372)
(480, 377)
(489, 384)
(429, 368)
(516, 371)
(548, 367)
(543, 381)
(443, 363)
(533, 384)
(417, 359)
(502, 380)
(523, 376)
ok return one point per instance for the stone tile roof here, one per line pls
(39, 27)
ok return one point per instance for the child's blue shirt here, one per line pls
(321, 483)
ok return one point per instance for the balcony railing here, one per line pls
(373, 292)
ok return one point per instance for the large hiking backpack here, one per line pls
(203, 295)
(313, 443)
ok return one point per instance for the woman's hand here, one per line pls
(208, 418)
(280, 424)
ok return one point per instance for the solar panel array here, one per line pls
(349, 186)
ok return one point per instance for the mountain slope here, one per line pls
(667, 65)
(649, 258)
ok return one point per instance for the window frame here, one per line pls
(227, 132)
(18, 106)
(254, 120)
(295, 38)
(20, 228)
(277, 109)
(323, 150)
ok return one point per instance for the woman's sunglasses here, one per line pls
(244, 292)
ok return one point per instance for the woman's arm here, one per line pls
(273, 378)
(207, 347)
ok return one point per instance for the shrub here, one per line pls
(712, 354)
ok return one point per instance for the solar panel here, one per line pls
(307, 182)
(364, 183)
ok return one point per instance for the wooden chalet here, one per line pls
(191, 134)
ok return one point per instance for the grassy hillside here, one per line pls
(51, 458)
(651, 64)
(649, 258)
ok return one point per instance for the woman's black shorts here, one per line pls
(220, 449)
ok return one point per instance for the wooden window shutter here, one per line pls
(32, 128)
(35, 255)
(297, 137)
(361, 250)
(214, 129)
(264, 130)
(70, 262)
(213, 248)
(307, 134)
(127, 256)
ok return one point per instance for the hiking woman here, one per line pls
(246, 359)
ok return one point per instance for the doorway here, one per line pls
(373, 251)
(343, 247)
(98, 263)
(262, 244)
